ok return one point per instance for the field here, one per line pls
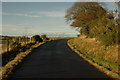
(8, 44)
(3, 45)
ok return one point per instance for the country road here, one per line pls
(55, 60)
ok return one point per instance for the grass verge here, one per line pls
(92, 60)
(9, 67)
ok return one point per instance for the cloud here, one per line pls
(39, 0)
(42, 13)
(19, 14)
(52, 13)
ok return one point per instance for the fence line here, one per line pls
(9, 43)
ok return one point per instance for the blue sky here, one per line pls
(60, 0)
(32, 18)
(0, 18)
(36, 17)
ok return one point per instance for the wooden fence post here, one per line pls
(7, 45)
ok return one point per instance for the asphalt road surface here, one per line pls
(55, 60)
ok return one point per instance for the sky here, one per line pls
(30, 18)
(59, 0)
(0, 18)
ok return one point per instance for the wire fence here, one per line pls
(9, 43)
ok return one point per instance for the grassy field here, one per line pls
(4, 45)
(98, 53)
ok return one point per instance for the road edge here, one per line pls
(100, 68)
(10, 66)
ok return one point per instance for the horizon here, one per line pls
(35, 18)
(26, 18)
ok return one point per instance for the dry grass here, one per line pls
(3, 47)
(8, 68)
(107, 57)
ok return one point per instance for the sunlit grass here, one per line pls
(92, 49)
